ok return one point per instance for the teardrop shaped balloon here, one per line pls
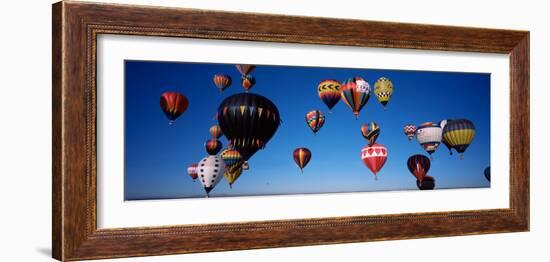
(210, 170)
(173, 104)
(418, 165)
(232, 174)
(248, 121)
(370, 132)
(245, 69)
(355, 92)
(428, 183)
(222, 81)
(216, 131)
(248, 82)
(192, 171)
(315, 119)
(487, 173)
(383, 89)
(301, 157)
(429, 136)
(233, 161)
(213, 146)
(409, 131)
(374, 157)
(459, 134)
(329, 92)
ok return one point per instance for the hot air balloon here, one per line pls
(216, 131)
(370, 132)
(233, 161)
(355, 92)
(173, 104)
(301, 156)
(383, 89)
(374, 156)
(248, 121)
(487, 173)
(210, 170)
(192, 171)
(329, 92)
(459, 134)
(213, 146)
(428, 183)
(246, 166)
(245, 69)
(222, 81)
(443, 140)
(409, 130)
(315, 119)
(248, 82)
(418, 165)
(428, 136)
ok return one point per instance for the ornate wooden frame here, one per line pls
(76, 26)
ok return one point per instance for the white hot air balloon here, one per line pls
(210, 171)
(428, 136)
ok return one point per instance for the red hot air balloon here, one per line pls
(428, 183)
(216, 131)
(213, 146)
(301, 156)
(355, 92)
(222, 81)
(173, 104)
(418, 165)
(374, 156)
(315, 119)
(192, 171)
(245, 69)
(410, 131)
(248, 82)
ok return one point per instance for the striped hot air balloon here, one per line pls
(192, 171)
(374, 157)
(409, 131)
(216, 131)
(355, 92)
(329, 92)
(383, 89)
(301, 156)
(248, 82)
(370, 132)
(222, 81)
(315, 119)
(429, 136)
(173, 104)
(459, 134)
(233, 161)
(213, 146)
(418, 165)
(245, 69)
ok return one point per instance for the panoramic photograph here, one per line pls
(196, 130)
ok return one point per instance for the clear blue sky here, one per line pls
(157, 155)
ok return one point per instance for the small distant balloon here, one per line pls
(213, 146)
(383, 89)
(301, 156)
(192, 171)
(173, 104)
(374, 157)
(370, 132)
(216, 131)
(409, 131)
(315, 119)
(222, 81)
(329, 92)
(245, 69)
(248, 82)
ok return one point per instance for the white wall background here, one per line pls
(25, 145)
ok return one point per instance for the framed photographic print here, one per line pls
(181, 130)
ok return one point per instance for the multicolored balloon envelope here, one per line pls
(301, 156)
(192, 171)
(370, 132)
(213, 146)
(210, 170)
(409, 131)
(383, 89)
(329, 92)
(459, 134)
(233, 162)
(248, 82)
(374, 156)
(315, 119)
(418, 165)
(173, 104)
(222, 81)
(248, 121)
(429, 136)
(355, 92)
(216, 131)
(245, 69)
(428, 183)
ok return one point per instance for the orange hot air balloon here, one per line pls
(216, 131)
(301, 156)
(173, 104)
(245, 69)
(222, 81)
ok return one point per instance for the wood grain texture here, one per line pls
(76, 27)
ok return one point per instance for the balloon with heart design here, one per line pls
(374, 156)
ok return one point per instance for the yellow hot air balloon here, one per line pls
(459, 134)
(383, 89)
(232, 174)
